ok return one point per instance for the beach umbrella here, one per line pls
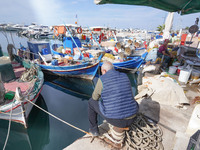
(181, 6)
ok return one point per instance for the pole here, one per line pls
(94, 38)
(74, 41)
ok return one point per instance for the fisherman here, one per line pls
(162, 51)
(113, 100)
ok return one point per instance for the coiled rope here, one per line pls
(144, 134)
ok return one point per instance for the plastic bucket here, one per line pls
(184, 76)
(172, 69)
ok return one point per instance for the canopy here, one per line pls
(181, 6)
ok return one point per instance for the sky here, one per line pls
(54, 12)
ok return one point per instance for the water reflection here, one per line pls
(79, 88)
(21, 138)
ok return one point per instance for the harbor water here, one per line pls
(65, 98)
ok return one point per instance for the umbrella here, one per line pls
(181, 6)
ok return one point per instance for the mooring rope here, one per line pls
(58, 118)
(143, 133)
(8, 133)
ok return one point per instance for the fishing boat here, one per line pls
(77, 66)
(133, 61)
(21, 84)
(35, 123)
(130, 63)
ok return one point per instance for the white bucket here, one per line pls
(172, 69)
(184, 76)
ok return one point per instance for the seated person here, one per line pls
(113, 100)
(163, 51)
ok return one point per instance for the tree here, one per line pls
(161, 28)
(186, 28)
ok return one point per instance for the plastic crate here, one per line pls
(194, 143)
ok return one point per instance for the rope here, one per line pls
(58, 118)
(8, 133)
(144, 134)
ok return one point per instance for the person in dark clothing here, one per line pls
(113, 100)
(162, 51)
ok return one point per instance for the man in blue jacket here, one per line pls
(112, 99)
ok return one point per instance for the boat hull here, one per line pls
(85, 71)
(132, 63)
(17, 110)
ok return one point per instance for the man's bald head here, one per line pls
(106, 67)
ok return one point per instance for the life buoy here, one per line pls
(56, 32)
(79, 30)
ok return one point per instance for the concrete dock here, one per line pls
(172, 120)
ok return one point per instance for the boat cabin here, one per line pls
(38, 47)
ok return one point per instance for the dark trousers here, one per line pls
(166, 58)
(93, 111)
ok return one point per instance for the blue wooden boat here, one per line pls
(132, 63)
(85, 68)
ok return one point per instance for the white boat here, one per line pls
(20, 87)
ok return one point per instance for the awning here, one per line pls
(181, 6)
